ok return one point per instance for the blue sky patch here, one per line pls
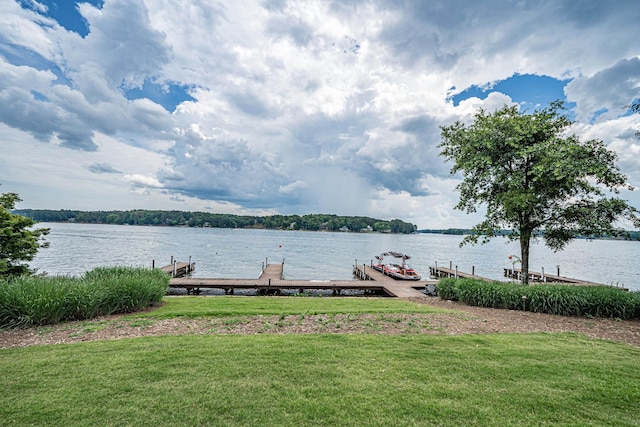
(168, 95)
(531, 91)
(65, 12)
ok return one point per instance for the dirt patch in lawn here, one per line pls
(464, 320)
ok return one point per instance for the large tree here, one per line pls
(535, 179)
(18, 240)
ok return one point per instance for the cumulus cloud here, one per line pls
(608, 93)
(300, 105)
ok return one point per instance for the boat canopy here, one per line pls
(394, 254)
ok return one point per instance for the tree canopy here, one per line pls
(310, 222)
(18, 241)
(535, 178)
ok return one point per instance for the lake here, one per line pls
(239, 253)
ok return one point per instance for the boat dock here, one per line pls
(271, 281)
(177, 269)
(440, 272)
(516, 274)
(541, 277)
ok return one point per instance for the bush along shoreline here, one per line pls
(567, 300)
(37, 300)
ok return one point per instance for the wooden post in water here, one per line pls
(171, 260)
(450, 265)
(473, 270)
(456, 276)
(189, 266)
(542, 272)
(175, 267)
(153, 264)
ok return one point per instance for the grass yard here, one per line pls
(253, 306)
(540, 379)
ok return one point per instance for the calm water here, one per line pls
(232, 253)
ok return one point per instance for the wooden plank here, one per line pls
(272, 271)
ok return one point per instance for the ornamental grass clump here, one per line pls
(36, 300)
(594, 301)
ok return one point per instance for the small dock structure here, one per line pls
(541, 277)
(177, 269)
(437, 272)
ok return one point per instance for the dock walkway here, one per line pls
(541, 277)
(271, 281)
(440, 272)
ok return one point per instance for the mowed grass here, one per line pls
(252, 306)
(321, 380)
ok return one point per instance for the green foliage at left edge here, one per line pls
(34, 300)
(18, 241)
(568, 300)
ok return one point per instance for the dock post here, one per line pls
(153, 264)
(558, 267)
(189, 265)
(542, 272)
(473, 270)
(456, 276)
(175, 268)
(171, 260)
(450, 265)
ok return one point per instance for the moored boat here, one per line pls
(402, 271)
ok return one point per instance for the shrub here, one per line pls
(447, 289)
(596, 301)
(31, 300)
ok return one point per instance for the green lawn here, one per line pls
(252, 306)
(321, 380)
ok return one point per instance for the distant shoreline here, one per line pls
(310, 222)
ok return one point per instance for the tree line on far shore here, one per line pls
(630, 235)
(310, 222)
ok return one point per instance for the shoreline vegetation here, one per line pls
(310, 222)
(320, 361)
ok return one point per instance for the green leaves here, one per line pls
(18, 241)
(33, 300)
(533, 177)
(567, 300)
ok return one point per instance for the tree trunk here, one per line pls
(525, 240)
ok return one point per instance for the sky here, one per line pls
(293, 107)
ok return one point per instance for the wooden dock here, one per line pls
(440, 272)
(516, 274)
(177, 269)
(271, 282)
(541, 277)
